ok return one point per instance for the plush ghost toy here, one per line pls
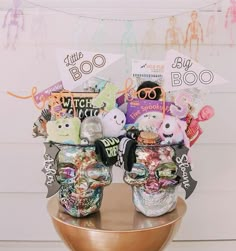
(113, 123)
(172, 131)
(64, 130)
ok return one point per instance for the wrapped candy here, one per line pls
(82, 178)
(153, 180)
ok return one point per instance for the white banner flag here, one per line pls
(182, 72)
(77, 66)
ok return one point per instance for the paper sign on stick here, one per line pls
(181, 72)
(77, 66)
(148, 69)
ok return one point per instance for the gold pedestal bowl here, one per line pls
(117, 226)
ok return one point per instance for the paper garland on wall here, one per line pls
(230, 20)
(174, 37)
(14, 23)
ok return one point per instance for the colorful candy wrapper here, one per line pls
(82, 178)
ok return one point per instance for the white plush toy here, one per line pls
(113, 123)
(172, 131)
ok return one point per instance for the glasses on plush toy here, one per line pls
(149, 93)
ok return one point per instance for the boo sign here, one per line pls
(181, 72)
(77, 66)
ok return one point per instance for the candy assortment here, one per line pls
(87, 133)
(82, 178)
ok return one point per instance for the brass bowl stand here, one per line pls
(117, 226)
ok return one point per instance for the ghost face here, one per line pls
(153, 180)
(64, 130)
(113, 123)
(82, 180)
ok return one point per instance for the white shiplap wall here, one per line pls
(24, 223)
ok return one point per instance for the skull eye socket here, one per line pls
(138, 174)
(166, 171)
(70, 154)
(65, 173)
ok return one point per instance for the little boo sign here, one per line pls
(77, 66)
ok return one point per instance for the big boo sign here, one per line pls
(181, 72)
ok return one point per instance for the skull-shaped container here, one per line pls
(153, 180)
(82, 179)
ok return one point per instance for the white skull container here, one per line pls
(153, 180)
(82, 179)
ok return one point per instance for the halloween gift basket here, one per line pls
(142, 129)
